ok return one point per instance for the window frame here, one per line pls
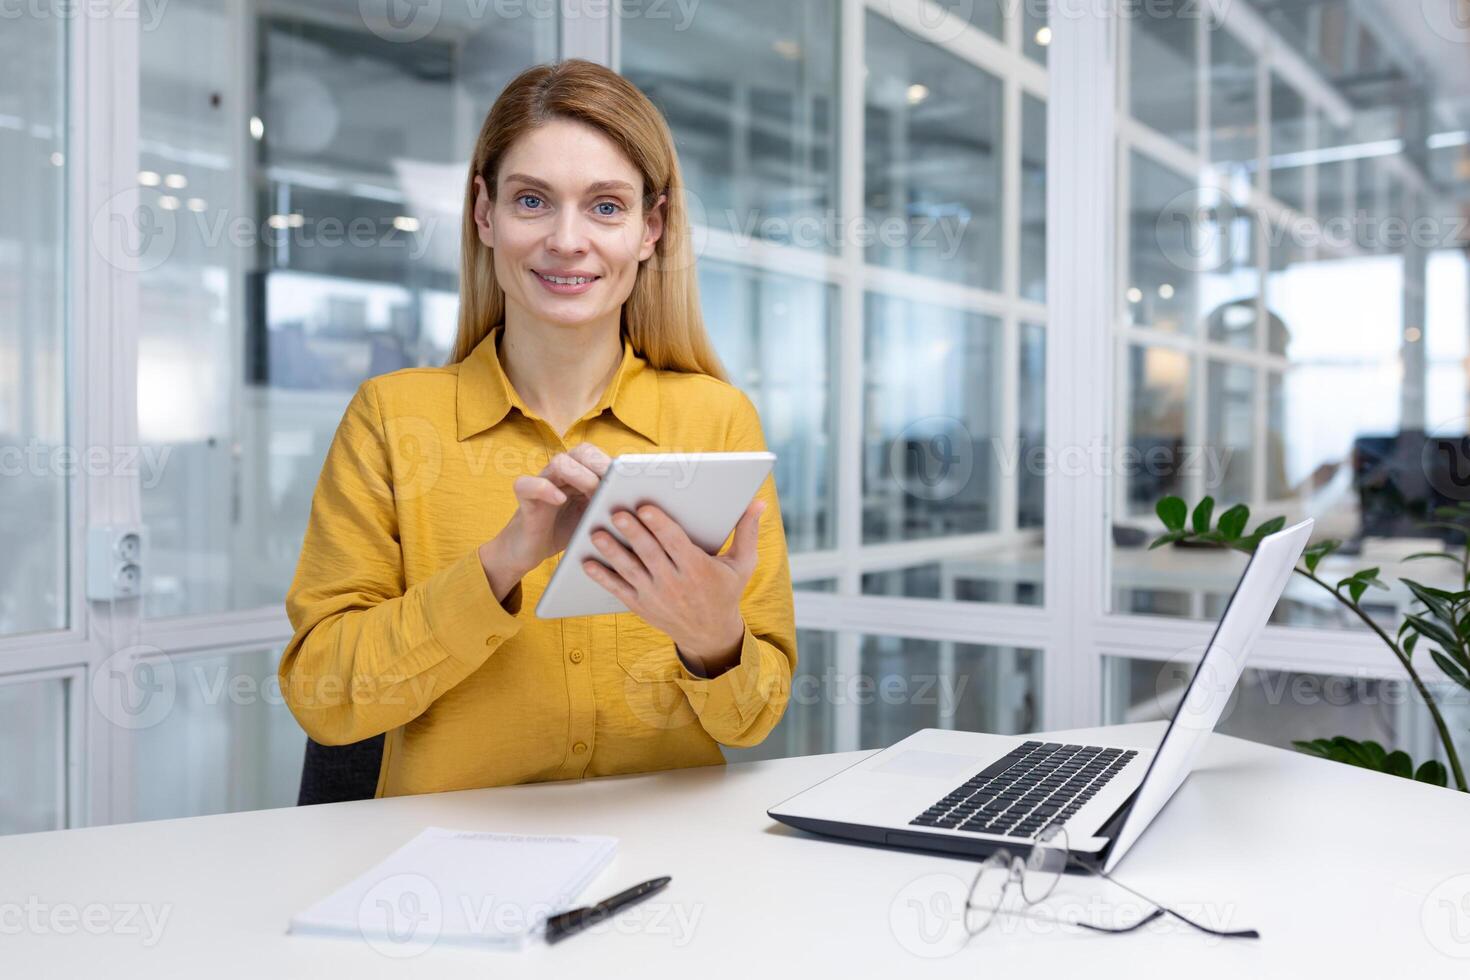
(1086, 123)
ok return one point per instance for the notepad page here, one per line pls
(462, 887)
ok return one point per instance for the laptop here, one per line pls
(969, 793)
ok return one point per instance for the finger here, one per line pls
(623, 561)
(592, 457)
(568, 472)
(644, 544)
(534, 489)
(742, 553)
(685, 554)
(610, 580)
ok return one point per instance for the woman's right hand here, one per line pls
(549, 506)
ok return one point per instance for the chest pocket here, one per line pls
(645, 653)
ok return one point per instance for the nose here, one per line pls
(567, 235)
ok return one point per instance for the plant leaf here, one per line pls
(1232, 522)
(1320, 747)
(1376, 754)
(1416, 556)
(1435, 600)
(1318, 551)
(1371, 755)
(1368, 576)
(1168, 538)
(1432, 631)
(1451, 669)
(1443, 525)
(1269, 527)
(1434, 772)
(1203, 511)
(1172, 511)
(1351, 751)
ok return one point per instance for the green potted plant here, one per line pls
(1440, 621)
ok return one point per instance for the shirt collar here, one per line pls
(486, 395)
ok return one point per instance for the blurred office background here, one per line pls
(1287, 260)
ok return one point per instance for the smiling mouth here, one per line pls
(567, 280)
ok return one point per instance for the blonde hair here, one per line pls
(661, 316)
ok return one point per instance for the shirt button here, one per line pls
(575, 656)
(579, 748)
(490, 640)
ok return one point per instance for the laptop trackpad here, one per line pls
(920, 762)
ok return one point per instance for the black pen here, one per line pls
(560, 926)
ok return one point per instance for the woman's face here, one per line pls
(567, 208)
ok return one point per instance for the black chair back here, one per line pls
(338, 773)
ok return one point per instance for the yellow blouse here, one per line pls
(398, 631)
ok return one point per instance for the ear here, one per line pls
(484, 212)
(653, 227)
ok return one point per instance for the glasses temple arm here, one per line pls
(1227, 934)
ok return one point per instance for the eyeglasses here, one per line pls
(1035, 874)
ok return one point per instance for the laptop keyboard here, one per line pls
(1036, 784)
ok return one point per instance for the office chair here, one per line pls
(338, 773)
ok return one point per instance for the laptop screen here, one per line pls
(1213, 680)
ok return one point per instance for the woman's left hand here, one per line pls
(676, 586)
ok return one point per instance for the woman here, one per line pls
(430, 539)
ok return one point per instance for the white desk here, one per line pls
(1346, 873)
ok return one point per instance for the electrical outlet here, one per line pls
(115, 561)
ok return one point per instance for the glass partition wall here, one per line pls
(977, 292)
(1292, 322)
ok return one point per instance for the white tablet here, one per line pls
(704, 493)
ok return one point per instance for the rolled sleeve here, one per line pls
(463, 613)
(741, 706)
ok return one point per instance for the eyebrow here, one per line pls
(601, 185)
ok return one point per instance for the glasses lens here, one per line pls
(987, 891)
(1044, 866)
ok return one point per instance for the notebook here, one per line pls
(460, 887)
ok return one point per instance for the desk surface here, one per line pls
(1344, 872)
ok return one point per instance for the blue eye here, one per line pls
(528, 197)
(608, 204)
